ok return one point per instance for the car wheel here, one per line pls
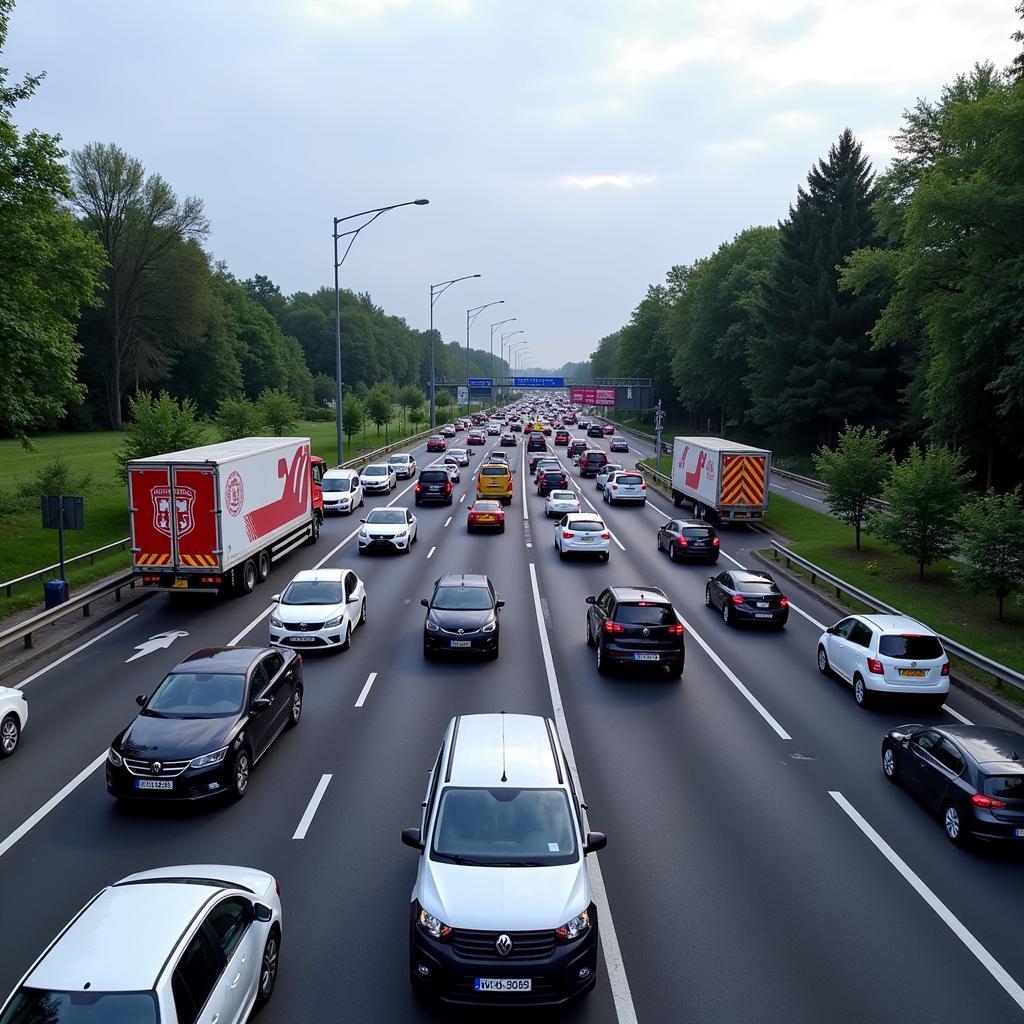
(707, 596)
(953, 825)
(296, 712)
(605, 555)
(240, 770)
(501, 529)
(362, 551)
(590, 638)
(601, 661)
(263, 566)
(10, 735)
(672, 554)
(346, 644)
(427, 653)
(861, 694)
(247, 580)
(362, 614)
(675, 671)
(268, 967)
(725, 613)
(823, 666)
(889, 762)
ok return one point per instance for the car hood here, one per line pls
(173, 739)
(374, 481)
(309, 612)
(332, 495)
(465, 619)
(385, 529)
(512, 899)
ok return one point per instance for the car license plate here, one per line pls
(586, 540)
(913, 673)
(762, 615)
(646, 657)
(461, 643)
(181, 583)
(301, 639)
(1019, 833)
(503, 984)
(154, 784)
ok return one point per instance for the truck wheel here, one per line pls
(677, 499)
(247, 578)
(263, 567)
(314, 531)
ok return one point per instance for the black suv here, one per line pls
(536, 442)
(434, 485)
(689, 540)
(462, 616)
(635, 626)
(592, 462)
(595, 430)
(549, 480)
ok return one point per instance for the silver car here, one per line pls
(582, 533)
(625, 486)
(606, 471)
(462, 454)
(378, 478)
(404, 465)
(558, 503)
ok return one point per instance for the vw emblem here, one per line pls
(647, 632)
(461, 630)
(913, 664)
(503, 945)
(302, 625)
(157, 767)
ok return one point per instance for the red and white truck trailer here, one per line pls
(216, 518)
(720, 478)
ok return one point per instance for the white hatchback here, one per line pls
(625, 486)
(885, 654)
(13, 716)
(319, 610)
(582, 533)
(558, 503)
(388, 529)
(378, 478)
(342, 490)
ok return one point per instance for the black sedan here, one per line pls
(462, 616)
(689, 541)
(972, 775)
(508, 440)
(747, 595)
(203, 728)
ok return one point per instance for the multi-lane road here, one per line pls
(759, 866)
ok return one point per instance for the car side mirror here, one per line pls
(362, 520)
(262, 913)
(275, 598)
(830, 629)
(142, 700)
(261, 704)
(591, 599)
(595, 841)
(499, 603)
(412, 837)
(424, 602)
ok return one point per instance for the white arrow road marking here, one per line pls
(156, 643)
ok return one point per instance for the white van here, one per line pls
(342, 490)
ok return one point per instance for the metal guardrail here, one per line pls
(1000, 672)
(367, 457)
(809, 481)
(91, 555)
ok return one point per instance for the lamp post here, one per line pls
(471, 315)
(498, 324)
(521, 357)
(503, 337)
(437, 290)
(354, 233)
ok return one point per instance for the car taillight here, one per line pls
(945, 668)
(783, 602)
(298, 659)
(715, 542)
(419, 487)
(875, 666)
(606, 536)
(980, 800)
(615, 487)
(676, 630)
(737, 599)
(643, 487)
(448, 486)
(682, 541)
(613, 627)
(568, 534)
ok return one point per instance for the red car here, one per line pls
(485, 513)
(528, 429)
(476, 437)
(562, 437)
(436, 443)
(609, 429)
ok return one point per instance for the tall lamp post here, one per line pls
(498, 324)
(436, 291)
(352, 236)
(515, 347)
(471, 315)
(502, 339)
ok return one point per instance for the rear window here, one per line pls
(494, 471)
(646, 614)
(697, 532)
(596, 457)
(917, 648)
(433, 475)
(586, 526)
(633, 479)
(1005, 786)
(756, 587)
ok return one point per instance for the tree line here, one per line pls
(893, 301)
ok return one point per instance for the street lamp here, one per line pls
(436, 290)
(498, 324)
(521, 357)
(503, 337)
(471, 315)
(373, 215)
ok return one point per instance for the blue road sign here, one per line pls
(481, 382)
(538, 382)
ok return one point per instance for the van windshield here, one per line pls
(44, 1006)
(504, 827)
(335, 483)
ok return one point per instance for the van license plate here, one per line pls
(503, 984)
(913, 673)
(646, 657)
(154, 784)
(180, 583)
(462, 643)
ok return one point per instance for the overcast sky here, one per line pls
(571, 150)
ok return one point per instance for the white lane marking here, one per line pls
(311, 808)
(820, 501)
(431, 551)
(365, 692)
(30, 822)
(651, 504)
(157, 642)
(462, 499)
(799, 611)
(948, 918)
(957, 715)
(71, 654)
(732, 677)
(616, 969)
(610, 530)
(448, 521)
(522, 477)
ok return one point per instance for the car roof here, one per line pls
(496, 750)
(374, 465)
(896, 624)
(462, 579)
(339, 473)
(400, 455)
(988, 744)
(220, 659)
(163, 906)
(319, 576)
(638, 593)
(591, 516)
(688, 523)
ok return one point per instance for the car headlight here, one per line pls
(276, 622)
(432, 926)
(432, 626)
(401, 535)
(114, 758)
(575, 928)
(336, 621)
(490, 627)
(206, 760)
(363, 535)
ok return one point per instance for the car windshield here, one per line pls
(645, 613)
(696, 532)
(500, 827)
(399, 460)
(197, 695)
(388, 516)
(375, 471)
(610, 468)
(313, 592)
(457, 452)
(45, 1006)
(918, 648)
(461, 599)
(335, 483)
(585, 526)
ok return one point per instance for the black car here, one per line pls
(635, 626)
(462, 616)
(973, 775)
(688, 540)
(592, 461)
(516, 428)
(551, 480)
(508, 440)
(536, 443)
(535, 460)
(434, 484)
(595, 430)
(747, 595)
(209, 721)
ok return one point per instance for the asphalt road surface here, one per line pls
(759, 866)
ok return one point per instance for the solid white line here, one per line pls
(71, 654)
(948, 918)
(314, 802)
(447, 522)
(799, 611)
(651, 505)
(957, 715)
(522, 477)
(610, 530)
(366, 689)
(616, 969)
(731, 676)
(431, 551)
(30, 823)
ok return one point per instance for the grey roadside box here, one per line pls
(60, 512)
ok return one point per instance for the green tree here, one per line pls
(49, 270)
(444, 400)
(238, 417)
(409, 397)
(323, 389)
(278, 410)
(378, 407)
(603, 358)
(992, 546)
(417, 415)
(852, 472)
(158, 426)
(354, 416)
(924, 492)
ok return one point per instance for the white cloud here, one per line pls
(877, 142)
(734, 147)
(606, 180)
(355, 10)
(796, 120)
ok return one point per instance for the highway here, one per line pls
(759, 866)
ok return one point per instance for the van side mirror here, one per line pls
(412, 837)
(262, 912)
(362, 520)
(595, 841)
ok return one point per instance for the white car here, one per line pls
(388, 529)
(192, 942)
(498, 455)
(558, 503)
(448, 430)
(319, 610)
(13, 716)
(606, 471)
(625, 485)
(452, 465)
(342, 490)
(378, 478)
(461, 454)
(582, 533)
(885, 654)
(404, 465)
